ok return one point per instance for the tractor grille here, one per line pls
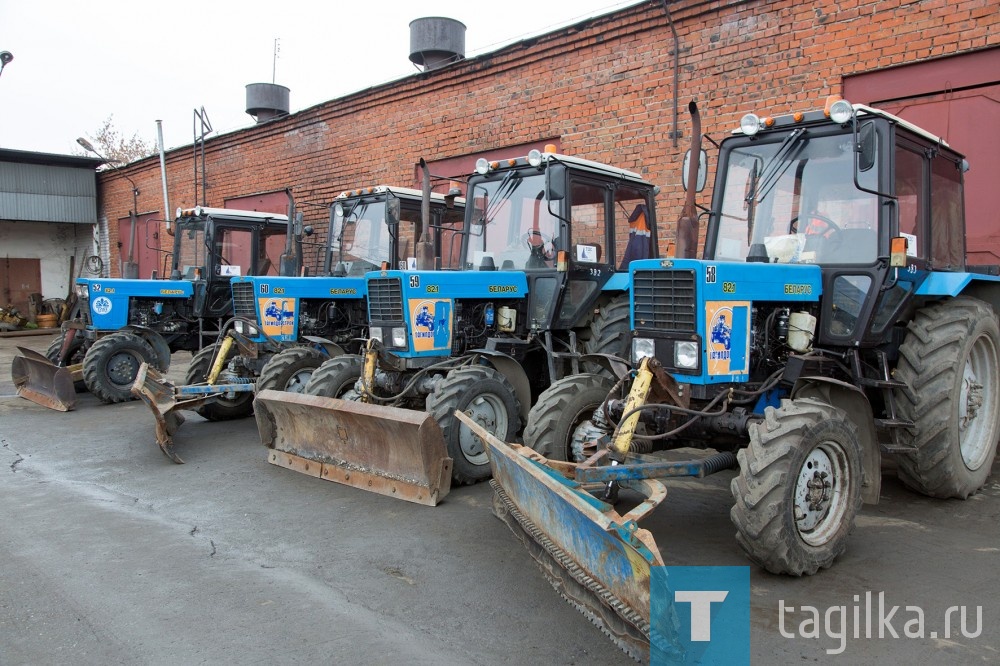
(385, 300)
(243, 305)
(665, 300)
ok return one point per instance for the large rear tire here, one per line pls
(291, 369)
(560, 411)
(950, 363)
(112, 363)
(610, 330)
(222, 408)
(799, 487)
(487, 397)
(335, 377)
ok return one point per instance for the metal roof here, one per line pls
(45, 187)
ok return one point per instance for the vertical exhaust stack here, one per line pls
(436, 41)
(687, 224)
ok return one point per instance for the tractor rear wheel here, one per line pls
(290, 369)
(798, 490)
(112, 363)
(559, 413)
(222, 407)
(950, 363)
(336, 376)
(488, 398)
(610, 330)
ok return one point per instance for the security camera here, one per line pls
(6, 57)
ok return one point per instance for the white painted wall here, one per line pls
(53, 244)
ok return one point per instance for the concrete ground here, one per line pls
(110, 553)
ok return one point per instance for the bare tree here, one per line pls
(114, 147)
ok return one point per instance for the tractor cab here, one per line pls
(214, 245)
(852, 190)
(570, 224)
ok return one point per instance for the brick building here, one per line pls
(604, 89)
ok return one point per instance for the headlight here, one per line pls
(376, 334)
(82, 292)
(482, 166)
(841, 111)
(399, 337)
(686, 354)
(642, 348)
(338, 209)
(750, 124)
(534, 158)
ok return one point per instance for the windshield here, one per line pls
(360, 237)
(802, 207)
(512, 228)
(189, 248)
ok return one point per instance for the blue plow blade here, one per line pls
(607, 557)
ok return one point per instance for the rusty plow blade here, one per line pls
(166, 402)
(600, 561)
(42, 382)
(386, 450)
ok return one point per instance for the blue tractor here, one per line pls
(533, 281)
(831, 321)
(284, 327)
(126, 322)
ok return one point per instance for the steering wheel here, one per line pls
(826, 231)
(537, 242)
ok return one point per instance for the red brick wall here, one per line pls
(604, 87)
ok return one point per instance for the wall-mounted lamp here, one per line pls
(5, 58)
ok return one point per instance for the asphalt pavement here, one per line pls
(111, 554)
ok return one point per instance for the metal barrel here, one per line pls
(42, 382)
(395, 452)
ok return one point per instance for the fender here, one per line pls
(329, 346)
(614, 365)
(853, 401)
(515, 374)
(156, 341)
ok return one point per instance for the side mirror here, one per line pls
(392, 210)
(702, 170)
(867, 147)
(555, 182)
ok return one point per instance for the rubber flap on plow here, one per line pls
(42, 382)
(598, 560)
(391, 451)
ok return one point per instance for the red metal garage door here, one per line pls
(958, 99)
(19, 278)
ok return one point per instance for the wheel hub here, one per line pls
(122, 369)
(814, 490)
(970, 397)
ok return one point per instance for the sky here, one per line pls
(77, 63)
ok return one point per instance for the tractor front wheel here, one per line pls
(559, 413)
(112, 363)
(336, 377)
(290, 369)
(799, 487)
(222, 407)
(488, 398)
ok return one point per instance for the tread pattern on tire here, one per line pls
(929, 367)
(221, 409)
(329, 372)
(610, 329)
(95, 364)
(441, 404)
(285, 364)
(545, 421)
(761, 491)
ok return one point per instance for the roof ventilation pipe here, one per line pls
(436, 41)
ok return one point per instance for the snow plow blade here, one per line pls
(44, 383)
(159, 396)
(598, 560)
(391, 451)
